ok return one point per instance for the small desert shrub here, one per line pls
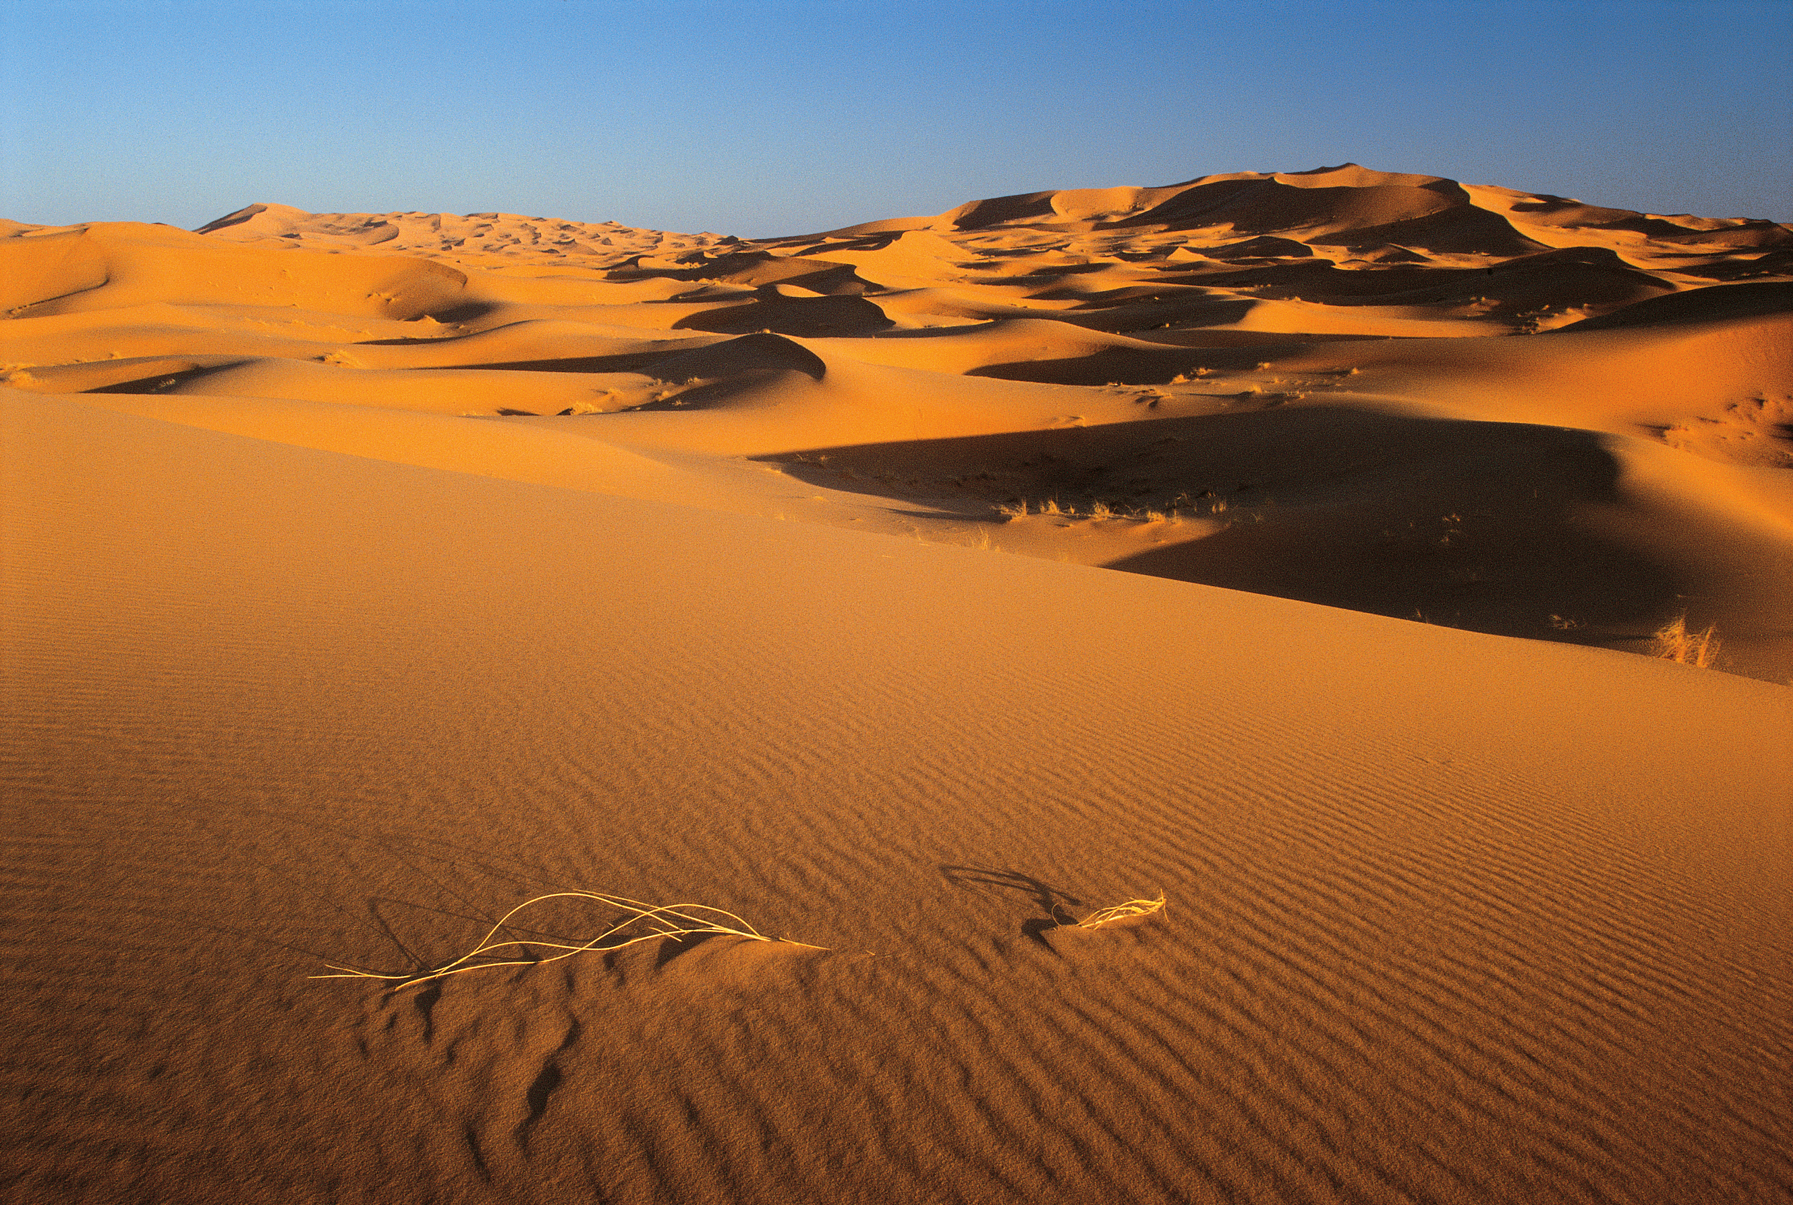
(1673, 642)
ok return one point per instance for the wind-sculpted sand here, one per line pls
(369, 576)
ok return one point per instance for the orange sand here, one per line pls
(366, 575)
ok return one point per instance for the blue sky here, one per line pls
(787, 116)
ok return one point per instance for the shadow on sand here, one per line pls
(1477, 525)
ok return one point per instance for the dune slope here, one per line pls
(1435, 933)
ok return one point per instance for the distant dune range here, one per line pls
(365, 575)
(1317, 353)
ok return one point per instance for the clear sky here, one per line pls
(766, 117)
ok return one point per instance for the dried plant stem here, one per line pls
(650, 922)
(1096, 920)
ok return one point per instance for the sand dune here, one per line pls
(366, 575)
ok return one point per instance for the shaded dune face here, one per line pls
(1473, 525)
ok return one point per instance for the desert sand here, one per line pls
(1295, 546)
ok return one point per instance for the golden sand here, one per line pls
(367, 576)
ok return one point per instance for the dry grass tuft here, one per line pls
(1675, 643)
(1097, 509)
(1096, 920)
(644, 922)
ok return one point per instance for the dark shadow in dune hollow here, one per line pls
(165, 381)
(681, 361)
(805, 317)
(1476, 525)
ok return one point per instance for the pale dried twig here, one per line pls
(1096, 920)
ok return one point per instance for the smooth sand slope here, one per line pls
(313, 655)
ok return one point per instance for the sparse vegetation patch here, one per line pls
(1673, 642)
